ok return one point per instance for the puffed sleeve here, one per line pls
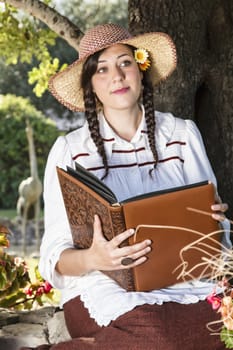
(57, 235)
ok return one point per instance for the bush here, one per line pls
(17, 290)
(14, 156)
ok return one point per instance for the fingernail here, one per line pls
(131, 231)
(215, 216)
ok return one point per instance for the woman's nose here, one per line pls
(117, 74)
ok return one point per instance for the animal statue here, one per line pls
(30, 189)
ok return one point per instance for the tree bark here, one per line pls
(201, 88)
(55, 21)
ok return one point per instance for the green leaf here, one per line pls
(226, 336)
(38, 275)
(39, 301)
(3, 280)
(11, 300)
(4, 242)
(22, 37)
(40, 75)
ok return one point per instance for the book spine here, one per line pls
(117, 219)
(125, 278)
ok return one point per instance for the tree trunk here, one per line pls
(202, 86)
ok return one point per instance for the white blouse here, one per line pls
(182, 160)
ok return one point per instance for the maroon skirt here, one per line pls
(170, 326)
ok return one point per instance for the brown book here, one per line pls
(85, 195)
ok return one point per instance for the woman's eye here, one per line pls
(101, 70)
(125, 63)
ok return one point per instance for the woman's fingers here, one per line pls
(136, 250)
(219, 209)
(108, 255)
(222, 207)
(134, 263)
(97, 228)
(118, 239)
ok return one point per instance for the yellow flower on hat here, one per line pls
(145, 65)
(141, 57)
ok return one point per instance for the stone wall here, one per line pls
(31, 328)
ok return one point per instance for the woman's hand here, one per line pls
(219, 208)
(107, 255)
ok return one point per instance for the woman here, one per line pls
(134, 150)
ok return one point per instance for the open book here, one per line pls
(161, 216)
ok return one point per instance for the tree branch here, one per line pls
(61, 25)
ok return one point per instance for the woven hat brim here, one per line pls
(65, 85)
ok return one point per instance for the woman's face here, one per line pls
(117, 80)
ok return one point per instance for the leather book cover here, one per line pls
(171, 225)
(156, 208)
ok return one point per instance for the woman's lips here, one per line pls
(121, 91)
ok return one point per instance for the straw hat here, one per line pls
(65, 85)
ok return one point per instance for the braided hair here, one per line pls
(91, 108)
(90, 104)
(148, 102)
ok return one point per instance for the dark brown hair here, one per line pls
(90, 103)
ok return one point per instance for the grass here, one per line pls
(12, 213)
(8, 213)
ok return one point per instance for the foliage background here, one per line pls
(14, 156)
(24, 43)
(15, 67)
